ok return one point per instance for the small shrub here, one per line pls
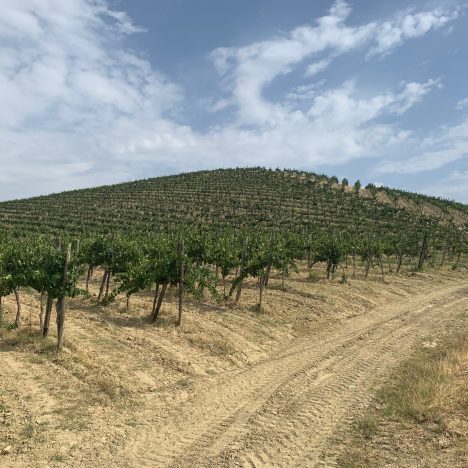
(367, 427)
(314, 277)
(107, 386)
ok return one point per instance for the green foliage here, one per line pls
(220, 201)
(133, 230)
(331, 250)
(223, 251)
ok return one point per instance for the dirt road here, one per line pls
(283, 411)
(189, 407)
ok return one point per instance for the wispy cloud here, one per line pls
(79, 108)
(66, 78)
(462, 104)
(446, 145)
(248, 70)
(409, 25)
(454, 186)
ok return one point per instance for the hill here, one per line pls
(251, 197)
(338, 286)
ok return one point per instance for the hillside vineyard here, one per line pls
(210, 231)
(256, 198)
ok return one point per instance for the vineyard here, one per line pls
(208, 232)
(256, 198)
(221, 318)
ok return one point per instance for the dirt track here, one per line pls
(282, 411)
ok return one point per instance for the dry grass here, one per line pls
(24, 338)
(422, 415)
(115, 361)
(431, 384)
(104, 388)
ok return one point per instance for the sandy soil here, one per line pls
(231, 388)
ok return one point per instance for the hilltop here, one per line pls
(250, 197)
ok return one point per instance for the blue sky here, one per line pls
(94, 92)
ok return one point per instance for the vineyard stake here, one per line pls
(241, 268)
(61, 304)
(181, 282)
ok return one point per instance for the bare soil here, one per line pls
(232, 387)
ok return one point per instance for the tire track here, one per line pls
(280, 412)
(324, 405)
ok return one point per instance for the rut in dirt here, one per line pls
(283, 411)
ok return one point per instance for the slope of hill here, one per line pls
(252, 197)
(297, 354)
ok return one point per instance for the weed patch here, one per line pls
(423, 412)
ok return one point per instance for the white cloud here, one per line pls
(67, 56)
(462, 104)
(426, 161)
(404, 26)
(305, 92)
(412, 94)
(337, 127)
(448, 144)
(317, 67)
(454, 186)
(65, 78)
(248, 70)
(78, 108)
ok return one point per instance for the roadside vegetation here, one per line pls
(420, 416)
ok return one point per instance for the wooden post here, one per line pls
(444, 254)
(381, 267)
(103, 285)
(41, 314)
(155, 314)
(156, 291)
(423, 254)
(18, 308)
(309, 257)
(48, 313)
(181, 282)
(108, 284)
(369, 260)
(241, 268)
(50, 300)
(400, 261)
(262, 283)
(61, 305)
(267, 276)
(88, 277)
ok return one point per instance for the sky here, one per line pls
(95, 92)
